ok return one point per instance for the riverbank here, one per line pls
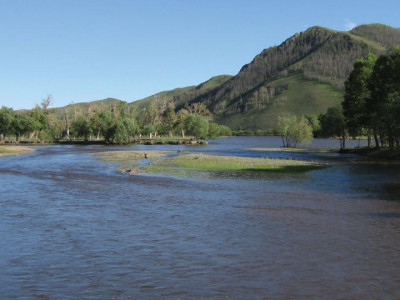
(385, 154)
(14, 150)
(142, 141)
(146, 141)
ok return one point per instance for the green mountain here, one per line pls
(304, 75)
(382, 34)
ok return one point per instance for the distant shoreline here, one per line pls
(372, 153)
(384, 154)
(13, 150)
(154, 141)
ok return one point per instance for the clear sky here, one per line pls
(84, 50)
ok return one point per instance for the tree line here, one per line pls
(371, 104)
(371, 107)
(113, 124)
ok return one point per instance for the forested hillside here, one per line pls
(304, 75)
(180, 96)
(385, 35)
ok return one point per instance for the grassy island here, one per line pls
(233, 163)
(169, 162)
(14, 150)
(131, 161)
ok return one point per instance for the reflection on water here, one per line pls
(73, 227)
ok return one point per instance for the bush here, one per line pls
(197, 126)
(294, 131)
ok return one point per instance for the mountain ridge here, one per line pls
(306, 71)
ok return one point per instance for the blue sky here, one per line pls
(84, 50)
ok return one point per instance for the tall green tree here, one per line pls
(40, 119)
(315, 124)
(118, 133)
(148, 130)
(214, 130)
(180, 121)
(356, 96)
(7, 116)
(294, 131)
(333, 124)
(169, 119)
(196, 125)
(101, 122)
(81, 127)
(131, 126)
(23, 124)
(150, 117)
(384, 82)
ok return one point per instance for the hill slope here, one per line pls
(181, 96)
(303, 75)
(382, 34)
(82, 108)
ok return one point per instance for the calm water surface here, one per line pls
(72, 227)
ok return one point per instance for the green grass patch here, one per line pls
(130, 161)
(303, 97)
(319, 150)
(14, 150)
(278, 149)
(5, 152)
(231, 163)
(185, 163)
(123, 156)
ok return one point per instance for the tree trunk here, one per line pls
(382, 140)
(369, 140)
(376, 139)
(183, 133)
(391, 140)
(66, 125)
(343, 142)
(283, 141)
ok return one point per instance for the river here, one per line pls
(72, 227)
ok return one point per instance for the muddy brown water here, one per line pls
(72, 227)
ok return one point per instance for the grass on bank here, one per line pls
(163, 162)
(14, 150)
(320, 150)
(123, 156)
(130, 161)
(208, 162)
(282, 149)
